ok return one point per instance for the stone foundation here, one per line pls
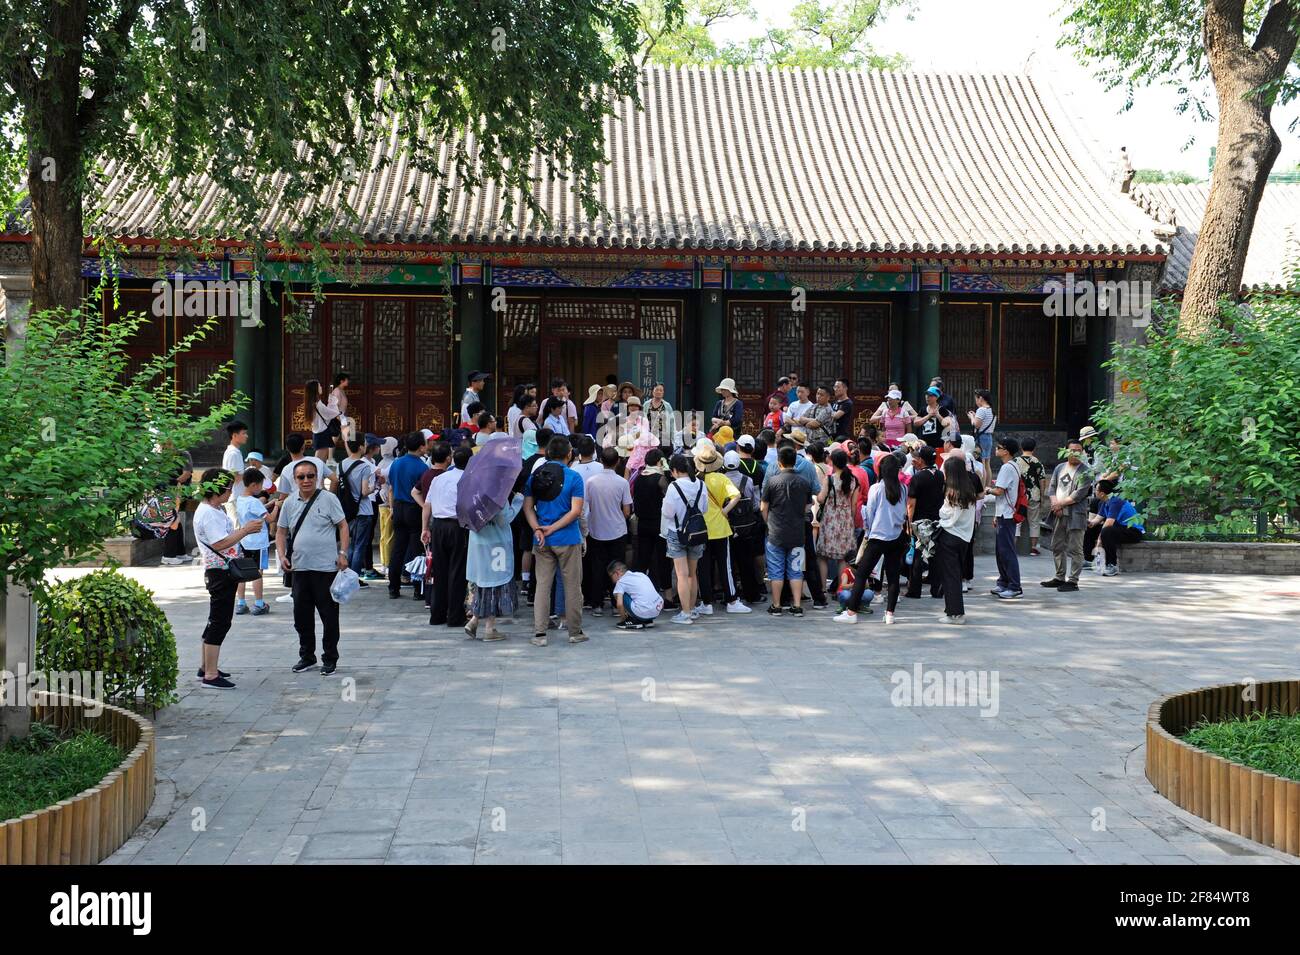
(1210, 557)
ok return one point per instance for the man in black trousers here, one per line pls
(403, 475)
(449, 544)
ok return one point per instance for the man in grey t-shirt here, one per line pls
(314, 519)
(608, 502)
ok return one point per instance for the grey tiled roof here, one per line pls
(1274, 252)
(777, 160)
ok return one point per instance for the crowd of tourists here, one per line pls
(622, 506)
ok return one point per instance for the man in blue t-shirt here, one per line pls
(403, 474)
(1116, 522)
(552, 505)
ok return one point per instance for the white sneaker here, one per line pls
(965, 586)
(683, 618)
(738, 607)
(958, 620)
(284, 599)
(889, 617)
(705, 610)
(1110, 571)
(846, 616)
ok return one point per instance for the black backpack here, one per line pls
(344, 493)
(548, 481)
(743, 519)
(691, 529)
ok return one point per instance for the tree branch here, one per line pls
(1277, 34)
(106, 69)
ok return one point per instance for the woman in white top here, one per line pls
(956, 528)
(218, 544)
(321, 414)
(886, 535)
(339, 402)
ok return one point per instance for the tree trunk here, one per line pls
(17, 657)
(1247, 149)
(55, 176)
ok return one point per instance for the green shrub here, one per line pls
(1211, 424)
(1268, 742)
(43, 768)
(106, 622)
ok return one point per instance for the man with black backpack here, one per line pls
(682, 525)
(553, 496)
(356, 481)
(746, 527)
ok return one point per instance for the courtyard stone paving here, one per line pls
(741, 739)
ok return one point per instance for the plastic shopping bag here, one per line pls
(346, 583)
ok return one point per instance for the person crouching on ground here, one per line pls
(635, 597)
(312, 541)
(1119, 523)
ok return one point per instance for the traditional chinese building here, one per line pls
(871, 226)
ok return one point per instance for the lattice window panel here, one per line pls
(195, 371)
(827, 345)
(303, 354)
(521, 320)
(870, 363)
(1027, 396)
(432, 344)
(747, 348)
(962, 333)
(220, 336)
(574, 318)
(1028, 365)
(347, 338)
(1027, 334)
(961, 384)
(789, 339)
(388, 353)
(659, 320)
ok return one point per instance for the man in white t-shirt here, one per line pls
(800, 409)
(232, 459)
(635, 597)
(294, 445)
(1004, 492)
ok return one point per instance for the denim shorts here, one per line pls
(783, 563)
(677, 550)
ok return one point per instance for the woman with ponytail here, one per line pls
(885, 523)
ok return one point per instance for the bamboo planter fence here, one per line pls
(1249, 802)
(90, 826)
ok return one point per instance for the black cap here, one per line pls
(479, 376)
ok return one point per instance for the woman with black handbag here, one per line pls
(223, 569)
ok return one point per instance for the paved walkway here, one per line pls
(741, 739)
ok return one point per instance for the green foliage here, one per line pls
(43, 768)
(1163, 175)
(86, 441)
(1134, 43)
(104, 622)
(1268, 742)
(822, 33)
(1213, 422)
(299, 90)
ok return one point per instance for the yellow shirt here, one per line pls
(720, 490)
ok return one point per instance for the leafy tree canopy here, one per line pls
(1164, 175)
(298, 90)
(1134, 43)
(822, 33)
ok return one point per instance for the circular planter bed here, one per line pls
(1260, 806)
(91, 825)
